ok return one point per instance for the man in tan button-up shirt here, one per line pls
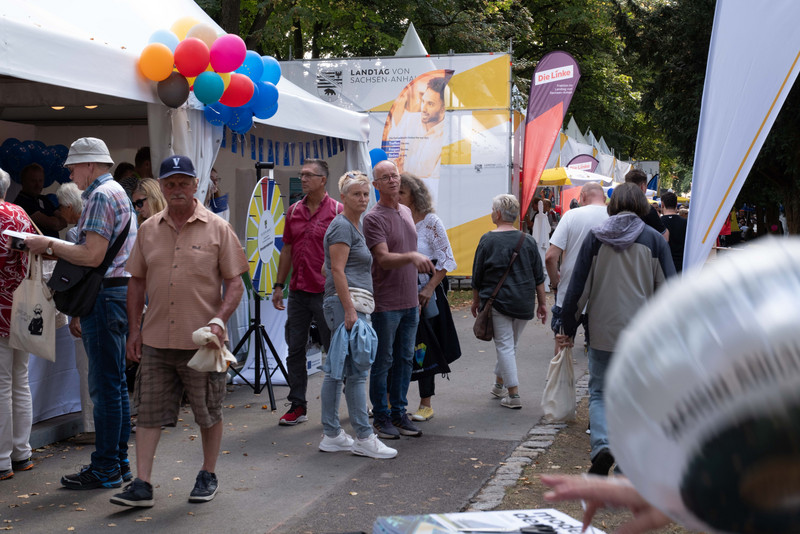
(180, 260)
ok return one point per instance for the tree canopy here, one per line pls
(642, 63)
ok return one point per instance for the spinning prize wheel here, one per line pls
(264, 235)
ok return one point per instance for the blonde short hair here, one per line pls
(508, 207)
(350, 178)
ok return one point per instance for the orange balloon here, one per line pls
(182, 26)
(155, 62)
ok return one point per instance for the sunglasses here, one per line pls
(139, 204)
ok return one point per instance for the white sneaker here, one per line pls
(373, 447)
(499, 391)
(513, 402)
(342, 442)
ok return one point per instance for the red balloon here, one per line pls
(191, 57)
(239, 92)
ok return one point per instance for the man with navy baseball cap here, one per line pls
(181, 259)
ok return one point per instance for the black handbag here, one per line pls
(76, 286)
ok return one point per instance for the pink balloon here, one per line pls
(228, 53)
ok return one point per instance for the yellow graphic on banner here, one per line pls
(485, 86)
(464, 240)
(458, 153)
(481, 87)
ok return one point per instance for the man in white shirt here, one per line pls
(566, 241)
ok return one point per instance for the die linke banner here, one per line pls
(552, 87)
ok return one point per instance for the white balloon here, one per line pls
(703, 394)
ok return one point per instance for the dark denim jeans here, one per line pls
(397, 331)
(301, 309)
(104, 332)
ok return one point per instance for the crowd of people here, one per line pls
(372, 282)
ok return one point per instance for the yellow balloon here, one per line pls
(182, 26)
(226, 78)
(204, 32)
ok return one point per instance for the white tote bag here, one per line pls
(558, 398)
(33, 314)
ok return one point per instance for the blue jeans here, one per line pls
(355, 391)
(104, 332)
(598, 364)
(303, 307)
(397, 331)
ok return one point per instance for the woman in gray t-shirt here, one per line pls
(348, 298)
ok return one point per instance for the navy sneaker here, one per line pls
(205, 487)
(137, 493)
(91, 478)
(125, 470)
(384, 428)
(404, 425)
(22, 465)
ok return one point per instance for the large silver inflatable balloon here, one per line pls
(703, 394)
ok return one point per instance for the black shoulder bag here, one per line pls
(76, 287)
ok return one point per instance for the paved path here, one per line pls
(274, 479)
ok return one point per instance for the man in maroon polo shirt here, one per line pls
(304, 229)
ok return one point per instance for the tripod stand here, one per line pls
(259, 333)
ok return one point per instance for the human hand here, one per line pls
(425, 296)
(541, 312)
(475, 308)
(421, 262)
(133, 347)
(37, 243)
(350, 318)
(599, 492)
(75, 327)
(563, 340)
(277, 299)
(221, 335)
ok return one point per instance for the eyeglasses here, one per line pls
(309, 174)
(139, 204)
(387, 177)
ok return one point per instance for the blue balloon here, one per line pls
(610, 190)
(208, 87)
(376, 155)
(272, 70)
(241, 121)
(265, 96)
(11, 141)
(214, 115)
(165, 37)
(252, 67)
(266, 113)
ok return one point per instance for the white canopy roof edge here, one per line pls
(94, 45)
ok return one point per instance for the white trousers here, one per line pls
(16, 408)
(506, 334)
(87, 406)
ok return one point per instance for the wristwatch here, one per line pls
(277, 284)
(49, 249)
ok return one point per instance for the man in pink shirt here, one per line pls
(303, 253)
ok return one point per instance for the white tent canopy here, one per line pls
(93, 46)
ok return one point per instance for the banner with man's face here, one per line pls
(445, 119)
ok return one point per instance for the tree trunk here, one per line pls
(230, 10)
(297, 40)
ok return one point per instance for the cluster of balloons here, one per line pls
(234, 83)
(15, 155)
